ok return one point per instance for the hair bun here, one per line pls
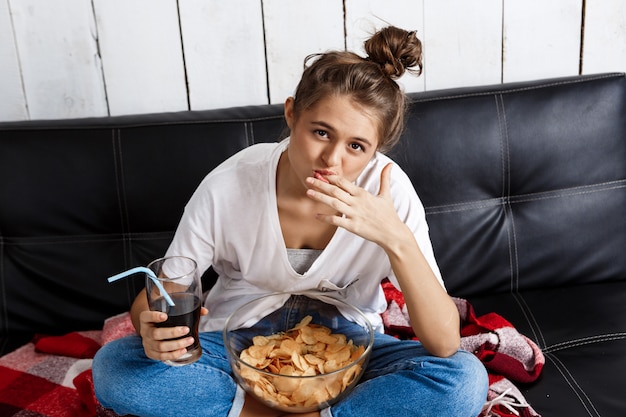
(396, 51)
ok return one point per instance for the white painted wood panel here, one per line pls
(541, 39)
(463, 43)
(294, 30)
(365, 17)
(58, 56)
(13, 103)
(224, 52)
(605, 36)
(142, 55)
(57, 61)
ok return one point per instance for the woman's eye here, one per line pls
(356, 146)
(322, 133)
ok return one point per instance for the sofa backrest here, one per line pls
(81, 200)
(524, 187)
(524, 184)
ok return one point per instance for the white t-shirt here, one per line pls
(231, 222)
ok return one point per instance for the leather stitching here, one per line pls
(73, 239)
(546, 195)
(520, 89)
(123, 204)
(504, 164)
(513, 254)
(123, 201)
(121, 125)
(530, 319)
(584, 341)
(249, 133)
(571, 381)
(4, 315)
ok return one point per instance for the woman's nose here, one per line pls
(332, 155)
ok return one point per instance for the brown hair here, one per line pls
(369, 81)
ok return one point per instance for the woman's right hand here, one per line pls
(157, 341)
(162, 343)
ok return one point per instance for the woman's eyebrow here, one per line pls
(323, 125)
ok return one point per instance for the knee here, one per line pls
(110, 369)
(100, 370)
(470, 382)
(116, 352)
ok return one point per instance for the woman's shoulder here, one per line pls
(249, 167)
(259, 154)
(371, 174)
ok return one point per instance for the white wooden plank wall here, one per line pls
(77, 58)
(541, 39)
(294, 30)
(58, 58)
(463, 43)
(224, 52)
(142, 55)
(605, 36)
(12, 102)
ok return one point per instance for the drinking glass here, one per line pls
(179, 277)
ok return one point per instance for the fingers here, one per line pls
(385, 181)
(163, 343)
(334, 186)
(330, 193)
(339, 193)
(361, 212)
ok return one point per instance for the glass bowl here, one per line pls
(302, 365)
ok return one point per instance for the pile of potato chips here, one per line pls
(306, 350)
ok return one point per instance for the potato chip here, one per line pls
(299, 361)
(334, 387)
(260, 340)
(316, 348)
(304, 322)
(313, 359)
(306, 333)
(340, 356)
(261, 352)
(305, 350)
(329, 339)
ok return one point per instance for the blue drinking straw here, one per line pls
(151, 275)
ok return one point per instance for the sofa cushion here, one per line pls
(582, 333)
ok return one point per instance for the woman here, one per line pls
(321, 212)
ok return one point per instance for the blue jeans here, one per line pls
(402, 378)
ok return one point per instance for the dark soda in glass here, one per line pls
(185, 312)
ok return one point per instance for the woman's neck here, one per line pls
(296, 211)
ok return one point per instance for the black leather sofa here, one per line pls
(524, 187)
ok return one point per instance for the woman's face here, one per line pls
(335, 136)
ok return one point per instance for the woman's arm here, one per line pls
(434, 317)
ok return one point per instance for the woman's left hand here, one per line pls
(373, 217)
(434, 317)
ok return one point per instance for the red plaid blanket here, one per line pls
(51, 376)
(508, 356)
(47, 384)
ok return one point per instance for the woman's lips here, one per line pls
(321, 174)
